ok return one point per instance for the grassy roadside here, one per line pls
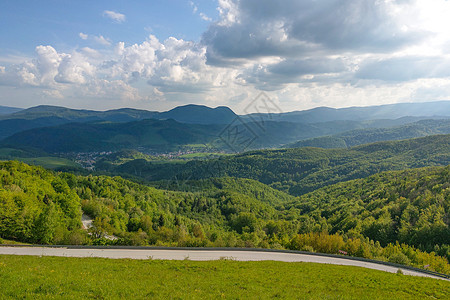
(10, 242)
(31, 277)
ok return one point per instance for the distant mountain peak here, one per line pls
(199, 107)
(199, 114)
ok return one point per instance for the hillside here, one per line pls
(12, 126)
(74, 130)
(44, 207)
(46, 115)
(169, 135)
(195, 114)
(39, 206)
(37, 157)
(164, 135)
(389, 111)
(371, 135)
(411, 207)
(151, 134)
(248, 187)
(199, 114)
(80, 115)
(301, 170)
(5, 110)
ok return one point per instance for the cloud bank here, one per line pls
(305, 53)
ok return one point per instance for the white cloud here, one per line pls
(47, 64)
(173, 66)
(107, 90)
(229, 12)
(306, 53)
(92, 53)
(102, 40)
(52, 94)
(205, 17)
(115, 16)
(74, 68)
(50, 70)
(83, 36)
(194, 7)
(202, 15)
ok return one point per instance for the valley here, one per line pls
(386, 200)
(225, 149)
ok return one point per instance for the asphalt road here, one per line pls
(171, 254)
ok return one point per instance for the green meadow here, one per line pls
(29, 277)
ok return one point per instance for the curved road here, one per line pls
(181, 254)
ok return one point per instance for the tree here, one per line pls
(45, 225)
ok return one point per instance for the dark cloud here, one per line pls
(257, 40)
(298, 67)
(275, 76)
(293, 28)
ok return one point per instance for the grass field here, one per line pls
(28, 277)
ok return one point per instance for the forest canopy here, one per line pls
(394, 216)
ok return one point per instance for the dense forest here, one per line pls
(386, 216)
(300, 170)
(411, 207)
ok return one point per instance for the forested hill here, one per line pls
(302, 170)
(372, 135)
(389, 111)
(411, 206)
(40, 206)
(152, 134)
(4, 110)
(79, 115)
(158, 135)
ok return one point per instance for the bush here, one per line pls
(398, 253)
(399, 258)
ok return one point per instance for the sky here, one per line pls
(158, 54)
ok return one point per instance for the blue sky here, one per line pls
(29, 23)
(159, 54)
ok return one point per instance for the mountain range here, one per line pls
(435, 109)
(196, 114)
(5, 110)
(59, 129)
(274, 191)
(371, 135)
